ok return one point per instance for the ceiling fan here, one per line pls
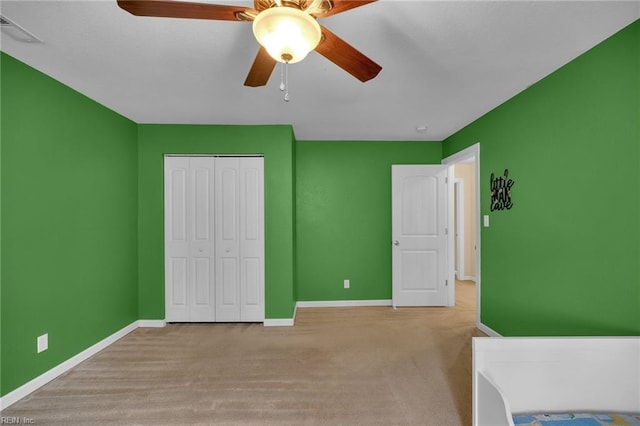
(286, 30)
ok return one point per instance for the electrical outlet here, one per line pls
(43, 342)
(346, 284)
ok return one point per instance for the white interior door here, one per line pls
(214, 239)
(419, 233)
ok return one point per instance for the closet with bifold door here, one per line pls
(214, 238)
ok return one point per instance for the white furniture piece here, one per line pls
(514, 375)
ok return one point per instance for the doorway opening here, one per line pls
(464, 217)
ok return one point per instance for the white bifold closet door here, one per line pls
(214, 239)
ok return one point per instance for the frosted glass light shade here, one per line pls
(288, 34)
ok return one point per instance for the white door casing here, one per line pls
(214, 239)
(458, 221)
(471, 154)
(419, 235)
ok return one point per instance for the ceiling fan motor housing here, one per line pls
(287, 33)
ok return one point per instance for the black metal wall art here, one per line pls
(501, 191)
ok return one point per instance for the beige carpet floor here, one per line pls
(336, 366)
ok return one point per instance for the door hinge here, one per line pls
(446, 231)
(446, 180)
(446, 283)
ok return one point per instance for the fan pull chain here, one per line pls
(286, 81)
(282, 86)
(284, 75)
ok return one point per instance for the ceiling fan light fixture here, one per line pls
(287, 33)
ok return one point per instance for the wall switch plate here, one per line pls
(43, 342)
(486, 220)
(346, 284)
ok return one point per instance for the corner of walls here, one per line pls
(139, 298)
(637, 36)
(294, 178)
(1, 132)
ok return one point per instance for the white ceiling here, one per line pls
(445, 63)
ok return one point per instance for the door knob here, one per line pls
(396, 243)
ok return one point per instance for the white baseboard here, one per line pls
(288, 322)
(468, 278)
(282, 322)
(279, 322)
(488, 331)
(62, 368)
(152, 323)
(344, 303)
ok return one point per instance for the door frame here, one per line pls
(458, 226)
(471, 153)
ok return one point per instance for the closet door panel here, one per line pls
(251, 284)
(177, 272)
(229, 283)
(203, 278)
(252, 239)
(176, 180)
(201, 236)
(227, 256)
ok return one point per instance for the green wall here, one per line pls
(69, 246)
(276, 144)
(343, 225)
(564, 259)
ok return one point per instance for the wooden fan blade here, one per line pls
(261, 69)
(179, 9)
(339, 6)
(346, 56)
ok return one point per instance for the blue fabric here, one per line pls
(519, 420)
(577, 419)
(572, 422)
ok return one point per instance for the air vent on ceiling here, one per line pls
(16, 32)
